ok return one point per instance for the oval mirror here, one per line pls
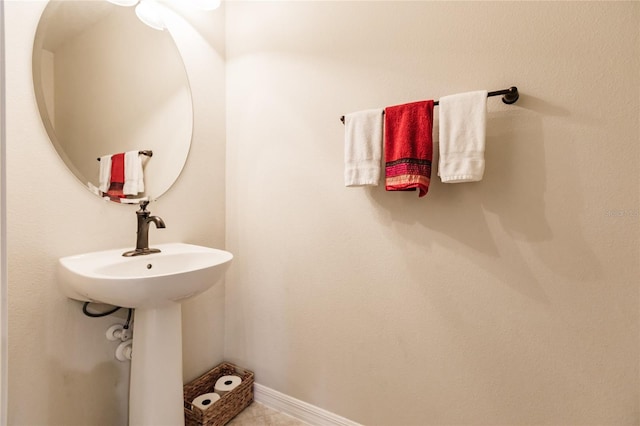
(105, 84)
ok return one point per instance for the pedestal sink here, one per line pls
(154, 285)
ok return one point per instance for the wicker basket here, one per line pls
(227, 407)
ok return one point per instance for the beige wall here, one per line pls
(3, 228)
(509, 301)
(62, 369)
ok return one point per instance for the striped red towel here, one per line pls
(117, 176)
(408, 146)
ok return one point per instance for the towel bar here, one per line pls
(511, 95)
(148, 153)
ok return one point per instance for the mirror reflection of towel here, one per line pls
(105, 173)
(133, 174)
(117, 176)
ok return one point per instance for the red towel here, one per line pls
(117, 176)
(408, 146)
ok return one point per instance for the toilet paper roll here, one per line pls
(226, 384)
(205, 400)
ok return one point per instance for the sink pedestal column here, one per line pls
(155, 392)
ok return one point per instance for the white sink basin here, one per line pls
(180, 271)
(154, 285)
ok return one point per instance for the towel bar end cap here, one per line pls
(512, 96)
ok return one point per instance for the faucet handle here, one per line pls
(143, 206)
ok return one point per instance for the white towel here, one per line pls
(93, 188)
(105, 173)
(363, 147)
(133, 175)
(463, 122)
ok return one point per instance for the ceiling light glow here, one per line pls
(124, 2)
(203, 4)
(150, 12)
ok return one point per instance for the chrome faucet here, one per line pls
(142, 240)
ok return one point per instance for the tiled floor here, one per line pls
(257, 414)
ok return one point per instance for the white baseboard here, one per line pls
(301, 410)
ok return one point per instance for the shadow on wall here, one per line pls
(68, 395)
(504, 215)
